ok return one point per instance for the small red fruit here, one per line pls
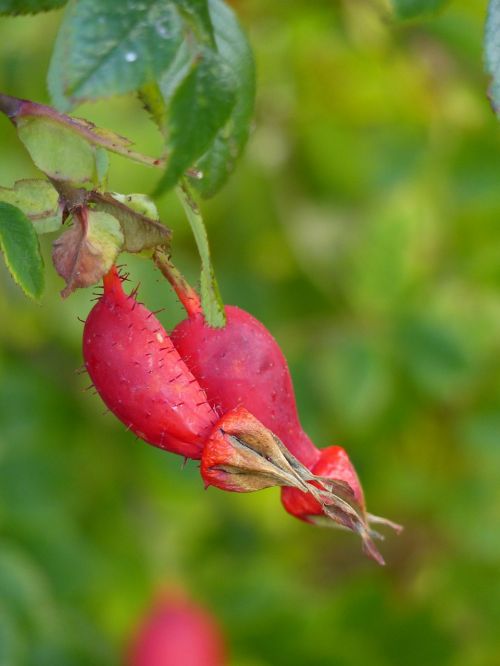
(333, 463)
(177, 632)
(242, 455)
(141, 377)
(242, 364)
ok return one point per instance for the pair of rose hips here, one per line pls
(222, 395)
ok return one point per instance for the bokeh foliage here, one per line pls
(362, 229)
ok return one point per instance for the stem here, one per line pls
(211, 301)
(185, 292)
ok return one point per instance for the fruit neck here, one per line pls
(185, 292)
(113, 284)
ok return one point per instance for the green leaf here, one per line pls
(19, 244)
(198, 12)
(15, 7)
(18, 110)
(211, 300)
(140, 203)
(177, 71)
(492, 52)
(199, 108)
(105, 47)
(57, 150)
(86, 251)
(138, 219)
(219, 161)
(408, 9)
(435, 355)
(152, 99)
(38, 200)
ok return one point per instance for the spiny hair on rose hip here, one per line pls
(140, 376)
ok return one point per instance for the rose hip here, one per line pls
(333, 463)
(242, 364)
(141, 377)
(177, 632)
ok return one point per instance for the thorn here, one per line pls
(81, 320)
(87, 388)
(134, 291)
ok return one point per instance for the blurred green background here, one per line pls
(362, 227)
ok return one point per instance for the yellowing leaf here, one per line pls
(38, 200)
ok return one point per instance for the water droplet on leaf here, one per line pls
(130, 56)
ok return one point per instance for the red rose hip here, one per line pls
(140, 376)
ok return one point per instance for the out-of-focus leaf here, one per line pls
(434, 355)
(492, 52)
(138, 219)
(199, 108)
(19, 244)
(86, 251)
(12, 650)
(232, 44)
(177, 71)
(354, 377)
(38, 200)
(408, 9)
(15, 7)
(23, 586)
(106, 47)
(198, 11)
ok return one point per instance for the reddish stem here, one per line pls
(185, 292)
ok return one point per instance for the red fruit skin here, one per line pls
(177, 633)
(333, 463)
(242, 364)
(140, 376)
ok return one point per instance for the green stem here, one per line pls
(211, 301)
